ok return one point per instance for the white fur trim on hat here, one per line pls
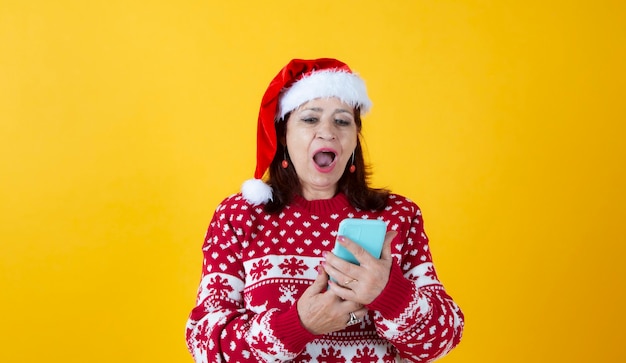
(344, 85)
(256, 191)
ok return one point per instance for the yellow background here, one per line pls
(123, 123)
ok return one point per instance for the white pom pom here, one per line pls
(256, 192)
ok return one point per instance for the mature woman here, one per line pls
(271, 290)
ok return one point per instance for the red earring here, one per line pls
(284, 163)
(352, 167)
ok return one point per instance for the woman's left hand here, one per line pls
(360, 283)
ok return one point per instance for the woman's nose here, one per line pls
(326, 130)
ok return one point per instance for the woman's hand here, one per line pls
(322, 312)
(360, 283)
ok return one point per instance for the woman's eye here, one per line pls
(342, 122)
(309, 120)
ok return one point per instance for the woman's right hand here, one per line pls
(323, 312)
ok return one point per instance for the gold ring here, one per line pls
(349, 281)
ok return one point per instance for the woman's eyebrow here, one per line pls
(336, 111)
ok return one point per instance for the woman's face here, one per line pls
(321, 136)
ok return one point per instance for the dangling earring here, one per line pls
(284, 163)
(352, 167)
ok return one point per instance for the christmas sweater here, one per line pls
(256, 265)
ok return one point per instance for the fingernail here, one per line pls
(324, 254)
(341, 238)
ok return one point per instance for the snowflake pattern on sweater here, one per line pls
(256, 265)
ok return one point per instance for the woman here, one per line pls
(271, 290)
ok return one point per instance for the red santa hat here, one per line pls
(298, 82)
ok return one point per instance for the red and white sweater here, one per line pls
(256, 266)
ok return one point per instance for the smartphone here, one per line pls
(368, 233)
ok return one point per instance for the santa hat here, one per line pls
(298, 82)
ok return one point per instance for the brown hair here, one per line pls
(285, 182)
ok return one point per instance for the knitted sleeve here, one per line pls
(414, 312)
(220, 328)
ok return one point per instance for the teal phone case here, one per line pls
(368, 233)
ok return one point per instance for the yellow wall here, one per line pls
(123, 124)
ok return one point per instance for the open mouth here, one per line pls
(324, 159)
